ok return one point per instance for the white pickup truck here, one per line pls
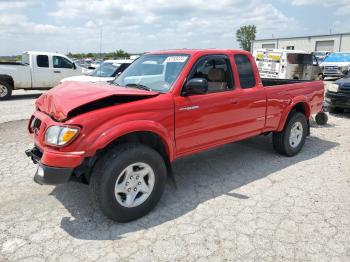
(38, 70)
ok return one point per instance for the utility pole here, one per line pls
(101, 42)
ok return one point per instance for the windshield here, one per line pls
(153, 72)
(106, 69)
(338, 57)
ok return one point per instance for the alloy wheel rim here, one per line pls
(134, 185)
(296, 135)
(3, 91)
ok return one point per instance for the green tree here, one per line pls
(121, 54)
(89, 55)
(245, 35)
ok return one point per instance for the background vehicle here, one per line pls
(96, 63)
(337, 64)
(122, 138)
(107, 71)
(38, 70)
(338, 95)
(321, 55)
(287, 64)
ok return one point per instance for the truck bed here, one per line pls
(12, 63)
(267, 82)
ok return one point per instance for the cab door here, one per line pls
(230, 111)
(42, 72)
(62, 68)
(204, 119)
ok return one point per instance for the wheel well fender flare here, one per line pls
(300, 104)
(109, 136)
(7, 78)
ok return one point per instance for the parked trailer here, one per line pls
(287, 64)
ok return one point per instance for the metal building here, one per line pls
(332, 43)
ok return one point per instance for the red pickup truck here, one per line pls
(122, 137)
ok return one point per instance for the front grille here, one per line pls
(344, 91)
(35, 125)
(331, 70)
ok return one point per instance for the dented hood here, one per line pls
(60, 101)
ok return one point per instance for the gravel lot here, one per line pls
(237, 202)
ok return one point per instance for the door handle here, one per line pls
(57, 72)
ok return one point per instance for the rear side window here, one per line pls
(245, 71)
(42, 61)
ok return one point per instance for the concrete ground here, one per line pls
(238, 202)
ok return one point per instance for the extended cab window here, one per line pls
(42, 61)
(245, 71)
(216, 71)
(61, 62)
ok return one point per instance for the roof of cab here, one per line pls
(41, 53)
(199, 51)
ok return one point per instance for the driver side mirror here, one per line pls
(196, 86)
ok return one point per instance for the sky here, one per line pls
(144, 25)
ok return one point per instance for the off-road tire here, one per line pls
(281, 139)
(8, 87)
(105, 174)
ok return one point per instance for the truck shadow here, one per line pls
(199, 178)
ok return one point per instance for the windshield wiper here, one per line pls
(139, 86)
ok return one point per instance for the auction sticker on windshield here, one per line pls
(176, 59)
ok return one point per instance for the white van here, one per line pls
(287, 64)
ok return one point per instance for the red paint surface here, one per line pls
(220, 117)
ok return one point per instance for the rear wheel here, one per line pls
(128, 181)
(5, 90)
(290, 141)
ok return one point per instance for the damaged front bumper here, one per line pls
(47, 175)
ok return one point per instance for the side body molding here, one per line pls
(287, 110)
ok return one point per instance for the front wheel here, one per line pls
(128, 181)
(290, 141)
(5, 90)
